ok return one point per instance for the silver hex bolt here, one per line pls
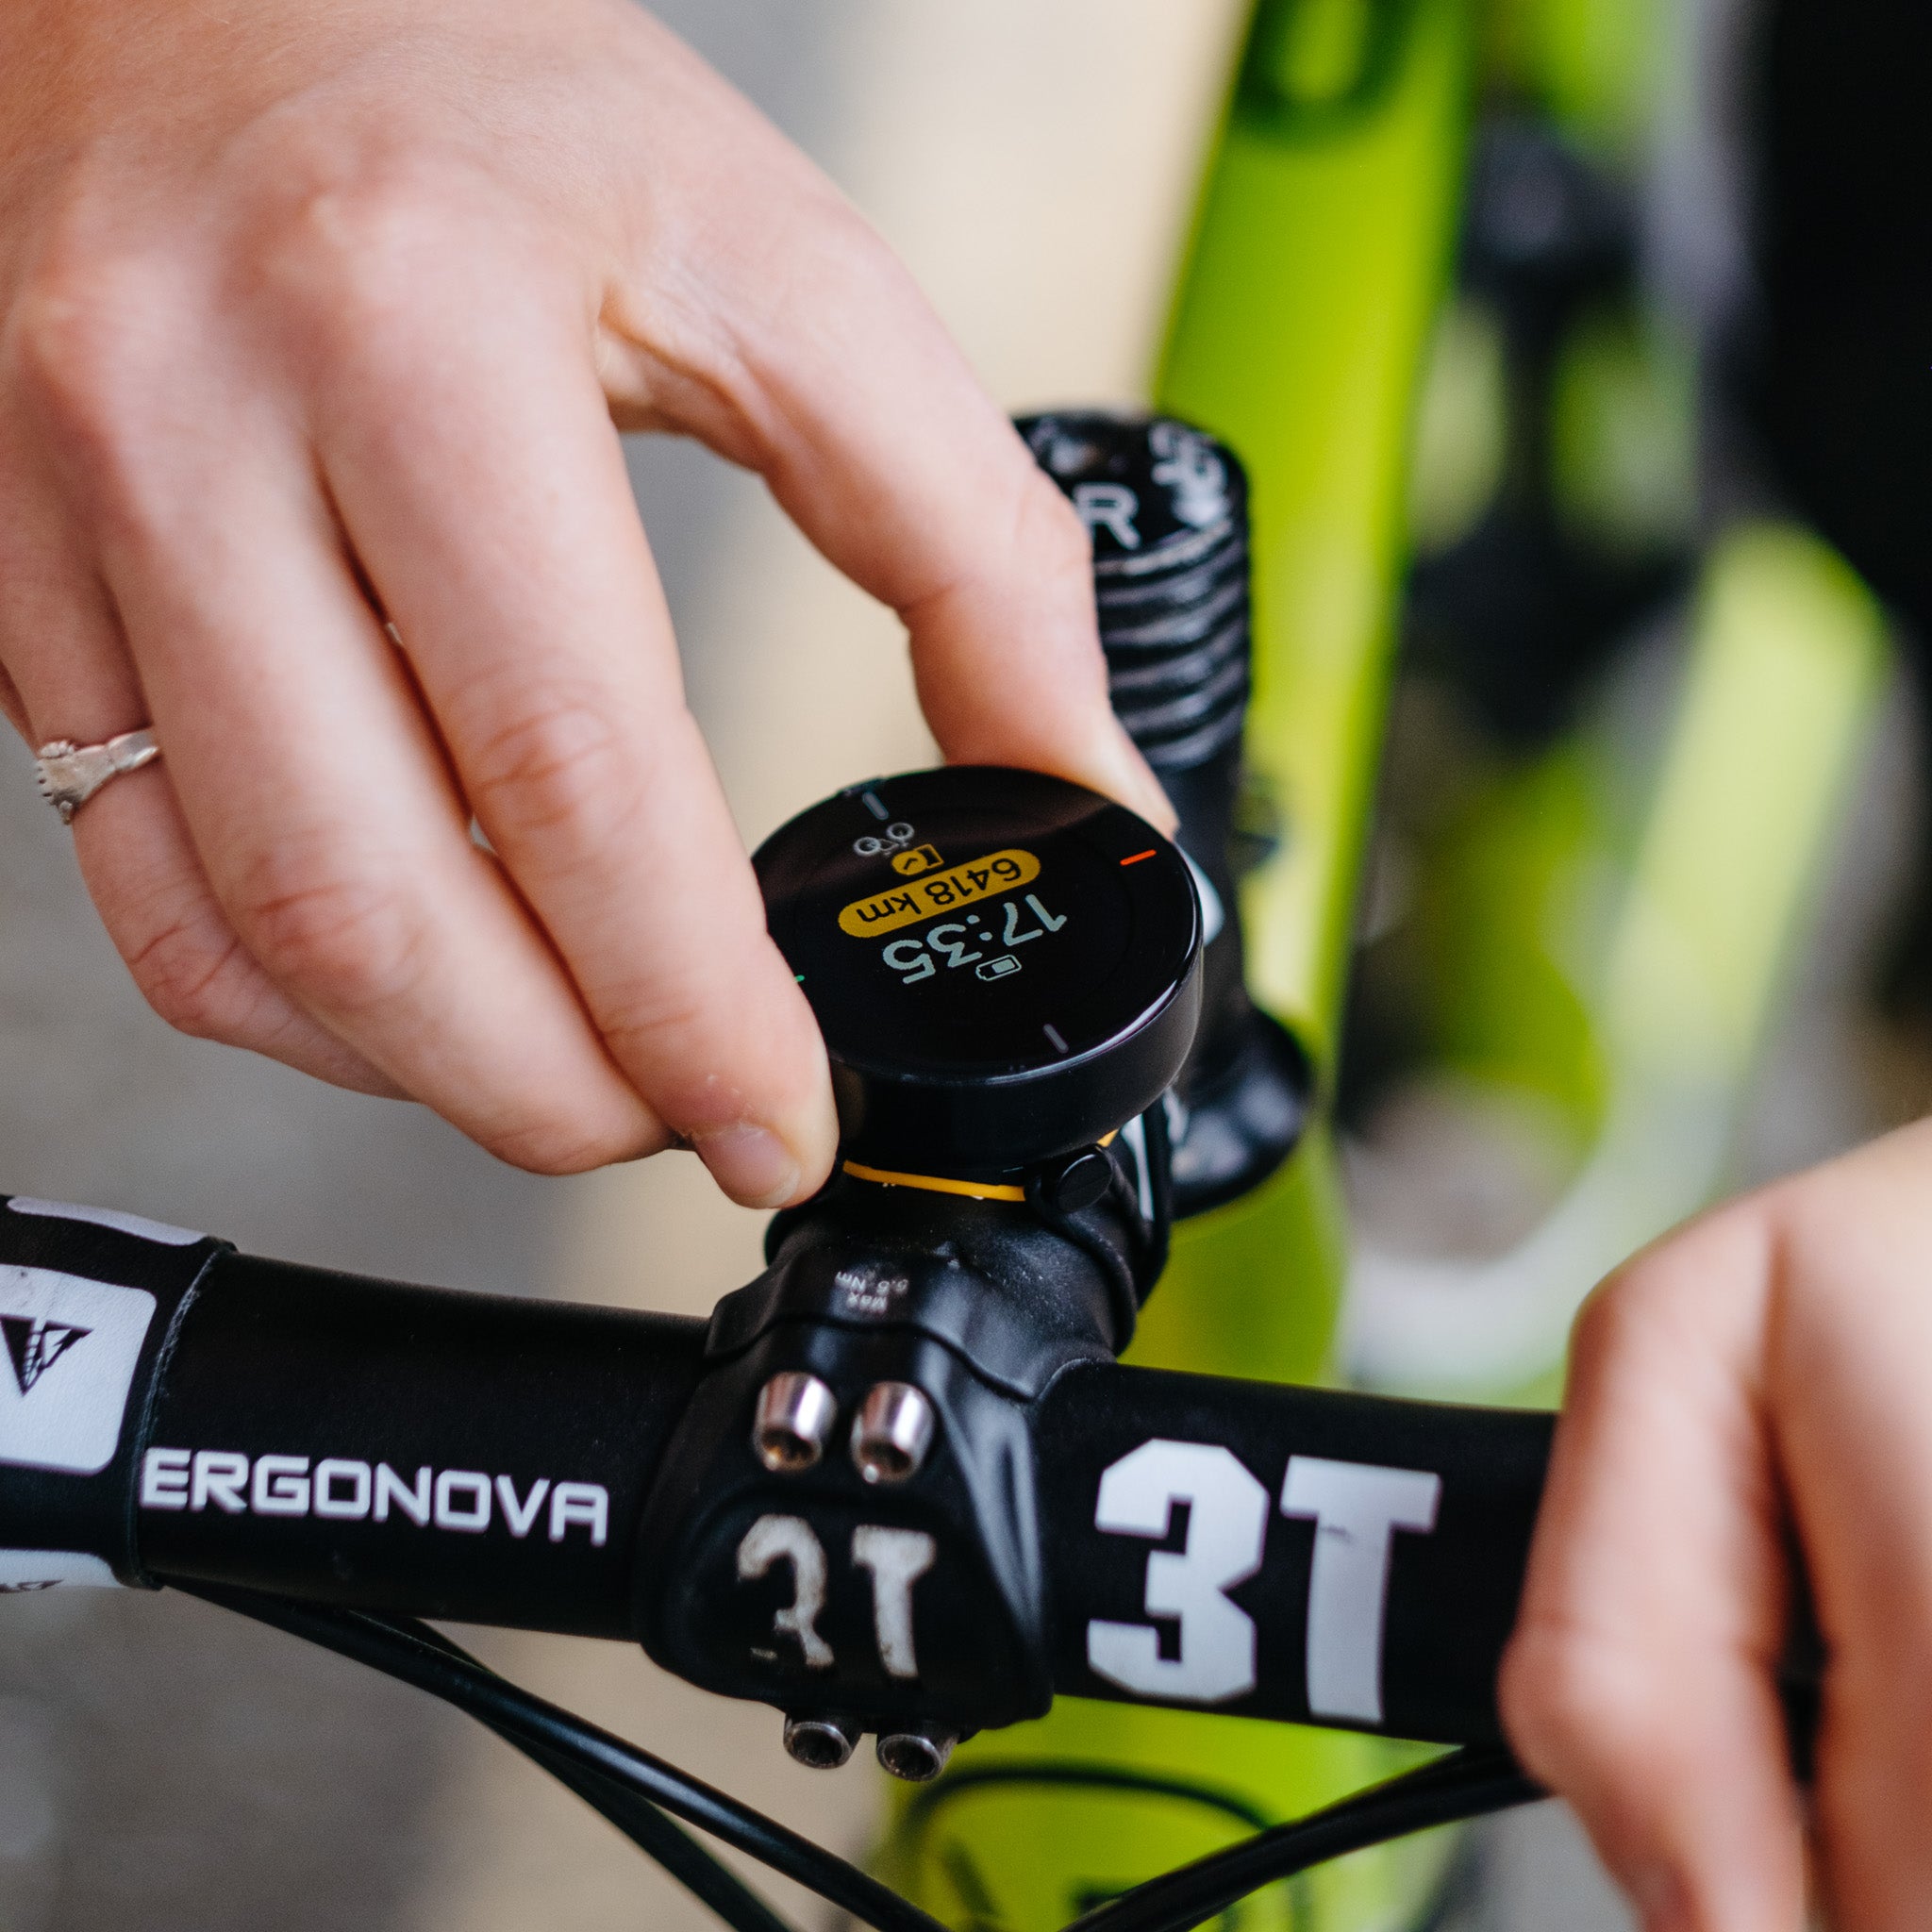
(821, 1743)
(792, 1422)
(893, 1432)
(918, 1754)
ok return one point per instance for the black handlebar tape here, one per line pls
(411, 1449)
(172, 1409)
(1304, 1555)
(1293, 1554)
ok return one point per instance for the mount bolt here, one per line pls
(1078, 1180)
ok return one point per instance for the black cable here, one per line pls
(1465, 1784)
(710, 1882)
(415, 1655)
(625, 1783)
(676, 1851)
(655, 1835)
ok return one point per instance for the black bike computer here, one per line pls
(1005, 965)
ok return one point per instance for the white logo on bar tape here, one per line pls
(1228, 1518)
(349, 1489)
(1355, 1506)
(26, 1572)
(72, 1347)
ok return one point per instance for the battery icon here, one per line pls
(998, 969)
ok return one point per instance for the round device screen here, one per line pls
(1004, 965)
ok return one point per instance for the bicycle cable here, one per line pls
(673, 1850)
(627, 1786)
(706, 1878)
(401, 1649)
(1466, 1784)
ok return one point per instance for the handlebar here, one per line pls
(1109, 1532)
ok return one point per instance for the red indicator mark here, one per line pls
(1140, 856)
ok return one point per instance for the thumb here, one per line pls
(1639, 1681)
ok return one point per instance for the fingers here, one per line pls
(57, 631)
(12, 706)
(319, 800)
(825, 368)
(1850, 1353)
(610, 982)
(897, 464)
(148, 886)
(532, 618)
(1638, 1682)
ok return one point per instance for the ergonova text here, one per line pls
(346, 1490)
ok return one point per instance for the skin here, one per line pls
(316, 314)
(319, 315)
(1753, 1383)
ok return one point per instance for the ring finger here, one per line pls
(65, 672)
(318, 798)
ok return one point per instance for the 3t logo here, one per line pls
(34, 1346)
(1356, 1507)
(896, 1558)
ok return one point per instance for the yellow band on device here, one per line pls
(936, 1184)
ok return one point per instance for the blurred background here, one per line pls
(166, 1769)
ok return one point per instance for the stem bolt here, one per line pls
(821, 1743)
(892, 1433)
(918, 1754)
(792, 1420)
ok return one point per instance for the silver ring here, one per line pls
(72, 774)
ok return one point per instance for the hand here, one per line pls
(1763, 1372)
(316, 314)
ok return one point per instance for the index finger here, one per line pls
(476, 475)
(818, 361)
